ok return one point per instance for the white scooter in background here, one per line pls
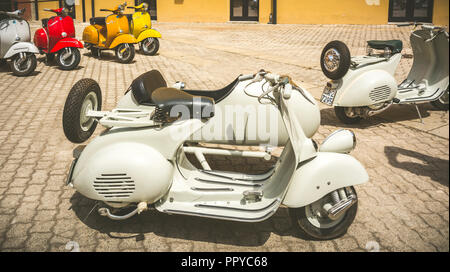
(15, 43)
(137, 162)
(363, 86)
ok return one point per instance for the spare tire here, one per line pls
(335, 60)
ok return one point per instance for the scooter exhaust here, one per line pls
(339, 208)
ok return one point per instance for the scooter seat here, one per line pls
(97, 21)
(395, 46)
(45, 22)
(144, 85)
(168, 98)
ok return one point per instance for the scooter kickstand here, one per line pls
(418, 112)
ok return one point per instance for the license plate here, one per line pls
(328, 96)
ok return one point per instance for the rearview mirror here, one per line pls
(69, 2)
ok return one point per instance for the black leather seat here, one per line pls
(144, 85)
(395, 46)
(45, 22)
(183, 104)
(97, 21)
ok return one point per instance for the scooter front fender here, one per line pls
(321, 175)
(148, 33)
(124, 38)
(66, 42)
(20, 47)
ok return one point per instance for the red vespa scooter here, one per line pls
(57, 36)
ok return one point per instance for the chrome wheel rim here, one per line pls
(318, 217)
(67, 58)
(124, 51)
(90, 103)
(23, 65)
(148, 45)
(331, 59)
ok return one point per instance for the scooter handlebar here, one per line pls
(246, 77)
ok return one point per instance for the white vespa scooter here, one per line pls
(363, 86)
(140, 159)
(15, 43)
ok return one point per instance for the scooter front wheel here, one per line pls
(312, 220)
(125, 52)
(68, 58)
(344, 115)
(149, 46)
(85, 95)
(23, 65)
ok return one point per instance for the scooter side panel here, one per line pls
(90, 34)
(325, 173)
(67, 42)
(149, 33)
(363, 88)
(116, 25)
(21, 47)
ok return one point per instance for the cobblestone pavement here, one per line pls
(404, 207)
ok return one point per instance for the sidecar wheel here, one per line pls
(68, 58)
(25, 67)
(310, 224)
(442, 102)
(85, 95)
(149, 46)
(125, 52)
(342, 114)
(335, 60)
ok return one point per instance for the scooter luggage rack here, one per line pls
(123, 118)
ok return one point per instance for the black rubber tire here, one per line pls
(305, 228)
(342, 116)
(27, 71)
(77, 60)
(344, 62)
(130, 56)
(439, 105)
(72, 110)
(154, 49)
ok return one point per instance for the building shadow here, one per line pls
(435, 168)
(185, 227)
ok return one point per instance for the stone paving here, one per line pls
(404, 207)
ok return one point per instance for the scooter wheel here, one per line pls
(311, 222)
(335, 60)
(149, 46)
(125, 52)
(85, 95)
(442, 102)
(24, 67)
(343, 116)
(68, 58)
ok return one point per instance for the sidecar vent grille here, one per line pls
(114, 186)
(380, 93)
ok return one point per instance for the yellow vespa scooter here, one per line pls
(141, 27)
(111, 32)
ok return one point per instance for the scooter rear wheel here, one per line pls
(85, 95)
(23, 67)
(312, 222)
(125, 52)
(149, 46)
(343, 116)
(442, 102)
(68, 58)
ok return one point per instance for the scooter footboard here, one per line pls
(325, 173)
